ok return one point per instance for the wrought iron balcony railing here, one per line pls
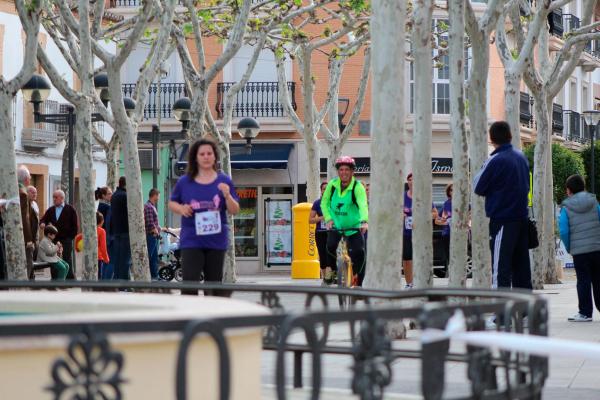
(572, 123)
(256, 99)
(168, 94)
(557, 119)
(525, 114)
(555, 22)
(570, 22)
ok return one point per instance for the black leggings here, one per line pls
(356, 251)
(321, 238)
(207, 262)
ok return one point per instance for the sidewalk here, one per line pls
(570, 378)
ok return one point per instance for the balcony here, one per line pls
(160, 98)
(557, 119)
(44, 135)
(255, 99)
(570, 23)
(555, 23)
(572, 123)
(525, 114)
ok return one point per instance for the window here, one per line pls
(246, 223)
(441, 73)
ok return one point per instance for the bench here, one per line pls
(41, 266)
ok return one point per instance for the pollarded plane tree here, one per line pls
(15, 260)
(345, 30)
(80, 41)
(545, 78)
(234, 25)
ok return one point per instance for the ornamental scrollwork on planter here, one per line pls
(91, 370)
(372, 360)
(272, 300)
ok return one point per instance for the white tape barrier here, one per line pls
(531, 344)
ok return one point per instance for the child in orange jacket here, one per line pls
(102, 250)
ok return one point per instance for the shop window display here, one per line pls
(246, 223)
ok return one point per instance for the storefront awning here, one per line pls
(263, 156)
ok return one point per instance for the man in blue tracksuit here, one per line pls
(504, 182)
(579, 226)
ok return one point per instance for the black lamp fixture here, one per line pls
(129, 104)
(36, 91)
(248, 129)
(101, 86)
(182, 112)
(591, 118)
(343, 104)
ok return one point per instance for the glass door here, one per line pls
(277, 232)
(246, 223)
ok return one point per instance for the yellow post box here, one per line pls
(305, 257)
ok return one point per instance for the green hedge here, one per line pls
(565, 163)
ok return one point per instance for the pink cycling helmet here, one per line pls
(345, 160)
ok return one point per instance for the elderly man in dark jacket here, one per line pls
(120, 251)
(64, 218)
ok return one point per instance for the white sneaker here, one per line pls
(408, 286)
(579, 317)
(490, 323)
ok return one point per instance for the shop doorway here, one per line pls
(277, 232)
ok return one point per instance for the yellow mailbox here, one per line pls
(305, 257)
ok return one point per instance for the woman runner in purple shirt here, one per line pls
(203, 197)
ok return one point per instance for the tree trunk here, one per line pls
(229, 270)
(384, 258)
(335, 151)
(551, 275)
(14, 245)
(310, 137)
(112, 164)
(87, 209)
(478, 150)
(422, 229)
(137, 238)
(512, 101)
(460, 147)
(197, 112)
(542, 146)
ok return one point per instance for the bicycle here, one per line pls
(346, 278)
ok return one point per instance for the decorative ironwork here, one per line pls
(169, 93)
(525, 114)
(372, 360)
(273, 302)
(91, 364)
(255, 99)
(92, 370)
(555, 23)
(557, 118)
(572, 121)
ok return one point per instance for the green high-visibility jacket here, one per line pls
(341, 209)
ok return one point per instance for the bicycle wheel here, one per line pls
(344, 274)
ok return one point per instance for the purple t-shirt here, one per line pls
(448, 208)
(205, 229)
(408, 217)
(317, 208)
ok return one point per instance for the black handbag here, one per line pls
(532, 233)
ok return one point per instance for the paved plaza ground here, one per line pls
(570, 378)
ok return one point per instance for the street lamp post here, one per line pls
(592, 117)
(343, 104)
(248, 129)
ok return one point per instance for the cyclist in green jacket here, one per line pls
(344, 207)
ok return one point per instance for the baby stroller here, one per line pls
(169, 258)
